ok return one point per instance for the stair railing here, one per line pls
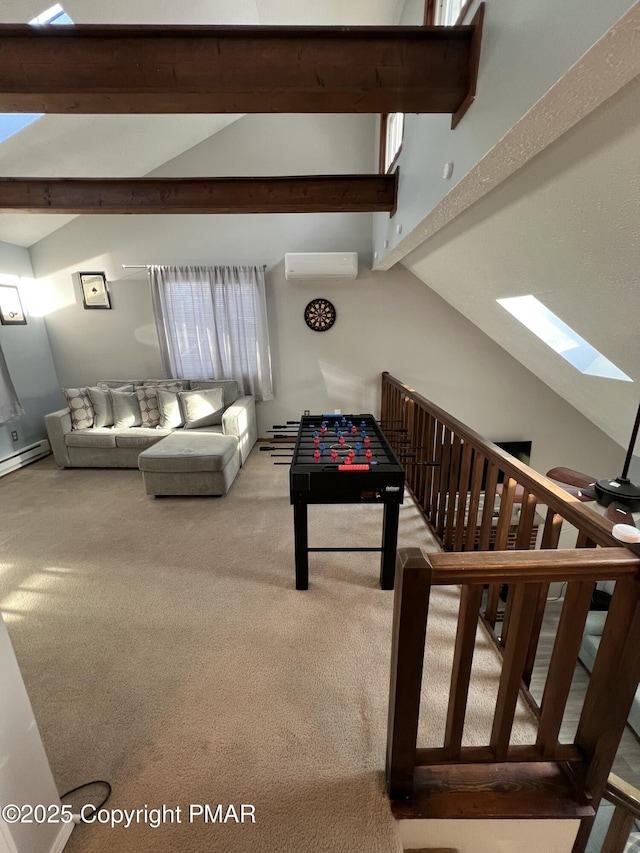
(477, 497)
(542, 779)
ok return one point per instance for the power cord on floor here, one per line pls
(77, 818)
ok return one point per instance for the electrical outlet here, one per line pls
(14, 435)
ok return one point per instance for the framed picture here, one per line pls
(11, 313)
(95, 290)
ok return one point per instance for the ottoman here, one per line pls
(190, 463)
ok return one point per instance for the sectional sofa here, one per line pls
(110, 424)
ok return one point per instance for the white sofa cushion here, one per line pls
(126, 409)
(102, 405)
(100, 437)
(229, 386)
(202, 408)
(170, 410)
(148, 401)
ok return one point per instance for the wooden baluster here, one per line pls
(415, 449)
(552, 530)
(583, 540)
(470, 601)
(620, 826)
(463, 494)
(445, 474)
(503, 526)
(612, 686)
(505, 514)
(423, 456)
(562, 665)
(474, 503)
(410, 609)
(437, 472)
(626, 800)
(405, 440)
(527, 517)
(453, 506)
(486, 528)
(486, 525)
(524, 599)
(430, 456)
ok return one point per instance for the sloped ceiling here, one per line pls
(133, 146)
(566, 229)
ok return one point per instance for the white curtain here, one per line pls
(10, 407)
(212, 323)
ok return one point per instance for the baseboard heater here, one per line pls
(24, 456)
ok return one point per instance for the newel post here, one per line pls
(612, 686)
(410, 608)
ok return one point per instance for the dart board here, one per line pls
(320, 315)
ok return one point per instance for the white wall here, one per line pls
(26, 777)
(386, 321)
(87, 344)
(391, 321)
(526, 48)
(28, 355)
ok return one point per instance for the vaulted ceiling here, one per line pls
(134, 145)
(564, 227)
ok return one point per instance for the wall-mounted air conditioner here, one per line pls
(312, 265)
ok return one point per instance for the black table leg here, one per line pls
(389, 545)
(301, 545)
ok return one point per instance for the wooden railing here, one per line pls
(542, 779)
(477, 497)
(504, 528)
(626, 800)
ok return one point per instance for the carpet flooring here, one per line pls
(165, 649)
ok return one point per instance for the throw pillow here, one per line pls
(148, 400)
(123, 385)
(126, 411)
(202, 408)
(79, 402)
(103, 410)
(170, 411)
(229, 386)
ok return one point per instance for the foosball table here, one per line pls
(345, 459)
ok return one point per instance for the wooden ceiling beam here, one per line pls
(304, 194)
(152, 69)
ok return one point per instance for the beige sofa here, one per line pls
(119, 446)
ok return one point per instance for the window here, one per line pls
(391, 133)
(448, 11)
(11, 123)
(561, 337)
(212, 324)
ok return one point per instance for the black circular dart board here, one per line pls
(320, 315)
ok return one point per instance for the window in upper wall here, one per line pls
(561, 337)
(391, 133)
(448, 11)
(11, 123)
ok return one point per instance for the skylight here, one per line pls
(561, 338)
(11, 123)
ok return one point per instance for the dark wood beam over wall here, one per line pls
(143, 69)
(305, 194)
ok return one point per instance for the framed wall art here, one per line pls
(11, 312)
(95, 290)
